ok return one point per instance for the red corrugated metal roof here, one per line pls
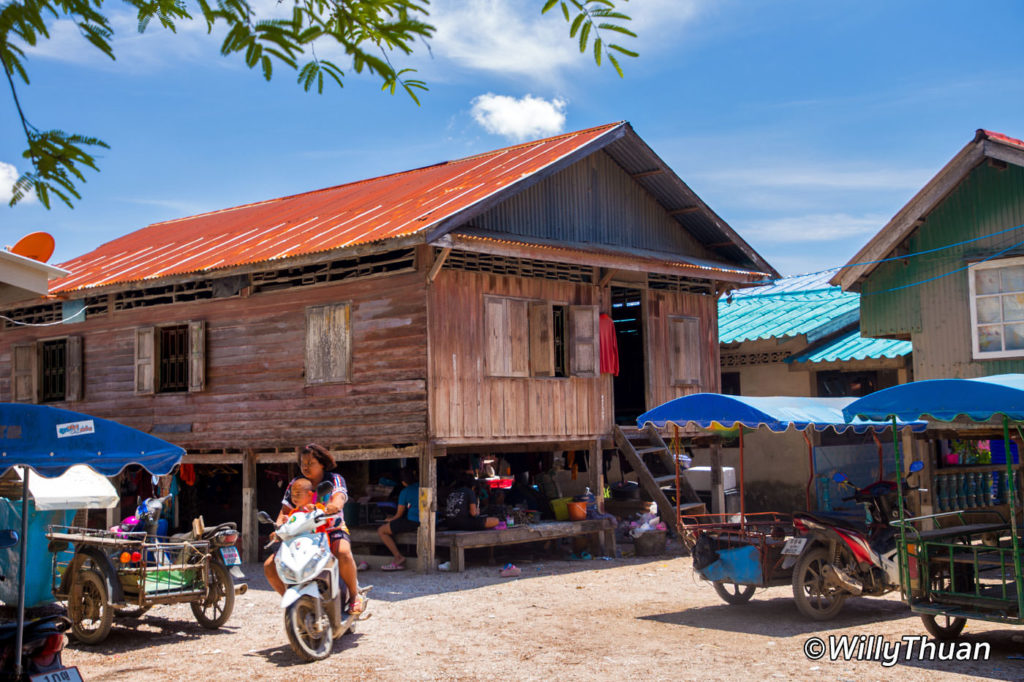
(382, 208)
(992, 135)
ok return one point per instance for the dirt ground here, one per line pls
(633, 618)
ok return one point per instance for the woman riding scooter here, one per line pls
(315, 462)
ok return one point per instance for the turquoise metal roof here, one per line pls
(805, 304)
(853, 346)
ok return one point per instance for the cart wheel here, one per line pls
(943, 627)
(813, 597)
(733, 593)
(131, 611)
(89, 607)
(215, 610)
(300, 624)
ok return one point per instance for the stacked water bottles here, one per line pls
(972, 489)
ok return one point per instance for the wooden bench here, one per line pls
(458, 541)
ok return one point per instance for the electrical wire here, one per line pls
(47, 324)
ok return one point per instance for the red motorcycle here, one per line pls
(837, 558)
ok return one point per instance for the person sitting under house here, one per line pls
(462, 510)
(405, 519)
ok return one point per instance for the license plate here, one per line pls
(794, 546)
(230, 556)
(62, 675)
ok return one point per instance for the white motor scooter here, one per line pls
(315, 597)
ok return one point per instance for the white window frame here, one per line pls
(972, 272)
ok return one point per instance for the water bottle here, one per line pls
(961, 493)
(985, 493)
(994, 488)
(972, 489)
(941, 500)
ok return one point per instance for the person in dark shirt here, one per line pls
(462, 511)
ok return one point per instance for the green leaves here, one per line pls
(595, 16)
(57, 158)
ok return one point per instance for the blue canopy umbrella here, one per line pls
(777, 413)
(979, 399)
(49, 441)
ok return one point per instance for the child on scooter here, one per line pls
(303, 498)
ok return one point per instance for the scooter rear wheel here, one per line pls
(813, 597)
(300, 625)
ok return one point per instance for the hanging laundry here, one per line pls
(609, 347)
(188, 474)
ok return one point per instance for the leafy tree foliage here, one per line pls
(369, 32)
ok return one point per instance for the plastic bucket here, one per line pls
(560, 508)
(577, 511)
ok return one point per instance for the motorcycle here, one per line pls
(42, 641)
(315, 597)
(836, 558)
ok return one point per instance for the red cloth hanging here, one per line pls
(187, 474)
(609, 347)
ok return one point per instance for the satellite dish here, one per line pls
(37, 246)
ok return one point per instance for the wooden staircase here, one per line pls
(634, 444)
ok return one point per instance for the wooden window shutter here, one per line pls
(145, 360)
(73, 386)
(196, 356)
(584, 353)
(518, 334)
(542, 347)
(497, 354)
(684, 334)
(328, 343)
(25, 373)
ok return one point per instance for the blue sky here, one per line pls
(804, 124)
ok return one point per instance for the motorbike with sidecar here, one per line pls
(128, 569)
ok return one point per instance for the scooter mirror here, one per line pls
(8, 538)
(839, 477)
(916, 466)
(324, 491)
(264, 517)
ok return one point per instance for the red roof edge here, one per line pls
(983, 134)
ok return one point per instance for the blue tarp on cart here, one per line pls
(777, 413)
(945, 399)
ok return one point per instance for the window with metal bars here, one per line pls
(54, 370)
(174, 359)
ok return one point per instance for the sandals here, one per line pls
(356, 606)
(510, 571)
(394, 566)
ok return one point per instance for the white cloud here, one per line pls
(816, 227)
(519, 119)
(8, 176)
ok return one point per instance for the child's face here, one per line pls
(302, 496)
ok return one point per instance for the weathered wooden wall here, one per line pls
(593, 201)
(466, 405)
(256, 395)
(658, 308)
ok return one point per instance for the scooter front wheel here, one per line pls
(734, 594)
(814, 598)
(307, 641)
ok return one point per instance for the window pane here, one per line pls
(1013, 308)
(1012, 278)
(1015, 337)
(988, 309)
(986, 281)
(990, 339)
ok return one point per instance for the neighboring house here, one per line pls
(947, 273)
(448, 309)
(797, 336)
(953, 278)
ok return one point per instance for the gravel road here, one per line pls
(634, 618)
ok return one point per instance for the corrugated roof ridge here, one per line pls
(751, 293)
(993, 135)
(521, 145)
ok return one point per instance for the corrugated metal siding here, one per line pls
(937, 312)
(594, 201)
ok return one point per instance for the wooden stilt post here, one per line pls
(428, 508)
(250, 526)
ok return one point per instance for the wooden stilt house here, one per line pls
(449, 308)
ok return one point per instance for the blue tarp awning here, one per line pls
(50, 441)
(946, 399)
(778, 413)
